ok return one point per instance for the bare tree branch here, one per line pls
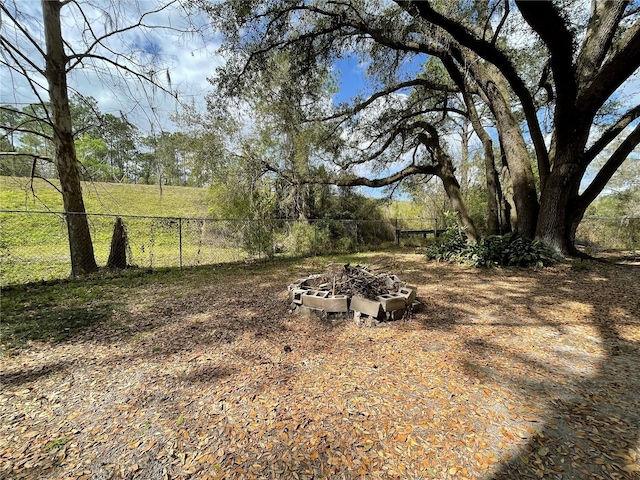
(352, 181)
(99, 40)
(18, 24)
(35, 156)
(388, 91)
(610, 134)
(610, 167)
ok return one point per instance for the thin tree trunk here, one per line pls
(452, 187)
(464, 156)
(80, 245)
(446, 172)
(494, 192)
(506, 207)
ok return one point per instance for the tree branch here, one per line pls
(129, 70)
(12, 50)
(35, 156)
(490, 52)
(98, 40)
(610, 167)
(604, 21)
(620, 65)
(610, 134)
(347, 181)
(545, 19)
(388, 91)
(17, 24)
(501, 23)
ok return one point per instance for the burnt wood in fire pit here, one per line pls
(353, 289)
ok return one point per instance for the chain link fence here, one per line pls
(34, 245)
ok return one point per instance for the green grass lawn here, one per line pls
(106, 198)
(33, 246)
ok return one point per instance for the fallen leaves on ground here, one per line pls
(502, 374)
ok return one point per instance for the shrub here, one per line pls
(452, 246)
(305, 239)
(506, 250)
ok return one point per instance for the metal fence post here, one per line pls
(356, 235)
(180, 234)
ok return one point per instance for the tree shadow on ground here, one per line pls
(591, 416)
(592, 432)
(186, 315)
(53, 323)
(29, 375)
(591, 424)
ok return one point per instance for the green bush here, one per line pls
(305, 239)
(452, 246)
(506, 250)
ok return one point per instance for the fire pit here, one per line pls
(353, 290)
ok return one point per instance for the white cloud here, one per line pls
(166, 48)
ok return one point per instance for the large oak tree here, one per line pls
(549, 73)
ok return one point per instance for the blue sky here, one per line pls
(351, 77)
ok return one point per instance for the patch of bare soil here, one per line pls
(503, 374)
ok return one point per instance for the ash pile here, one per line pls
(353, 291)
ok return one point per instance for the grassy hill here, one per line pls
(34, 246)
(403, 209)
(109, 198)
(138, 199)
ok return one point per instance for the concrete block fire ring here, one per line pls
(295, 295)
(324, 301)
(311, 312)
(396, 314)
(314, 298)
(365, 306)
(409, 293)
(336, 304)
(392, 301)
(310, 296)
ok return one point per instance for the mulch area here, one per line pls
(502, 374)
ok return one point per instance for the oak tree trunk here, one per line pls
(559, 199)
(525, 197)
(452, 188)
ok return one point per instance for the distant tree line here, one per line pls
(110, 148)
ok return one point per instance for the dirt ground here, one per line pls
(502, 374)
